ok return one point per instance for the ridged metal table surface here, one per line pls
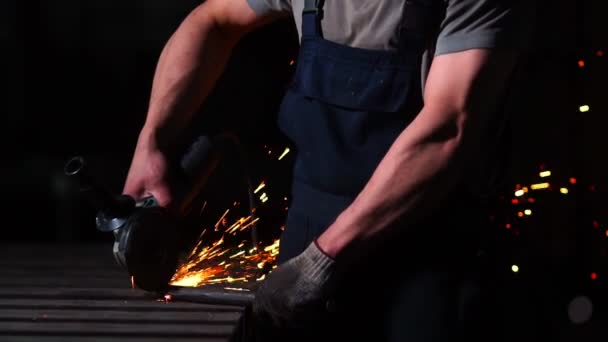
(59, 292)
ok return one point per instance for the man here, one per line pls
(394, 111)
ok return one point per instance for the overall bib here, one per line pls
(343, 110)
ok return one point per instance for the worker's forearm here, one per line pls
(415, 174)
(189, 65)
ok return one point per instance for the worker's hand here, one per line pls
(149, 173)
(297, 291)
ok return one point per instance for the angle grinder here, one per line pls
(148, 238)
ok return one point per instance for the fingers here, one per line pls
(149, 176)
(134, 189)
(163, 195)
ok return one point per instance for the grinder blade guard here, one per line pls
(148, 238)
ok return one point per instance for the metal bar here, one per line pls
(58, 281)
(114, 329)
(16, 338)
(212, 296)
(113, 304)
(142, 317)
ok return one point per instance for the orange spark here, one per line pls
(221, 218)
(260, 187)
(236, 289)
(284, 153)
(222, 261)
(165, 299)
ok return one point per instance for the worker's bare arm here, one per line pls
(192, 61)
(188, 68)
(431, 154)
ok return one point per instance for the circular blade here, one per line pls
(149, 243)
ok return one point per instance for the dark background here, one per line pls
(76, 77)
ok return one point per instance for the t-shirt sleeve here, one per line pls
(470, 24)
(262, 7)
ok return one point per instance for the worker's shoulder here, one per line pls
(262, 7)
(469, 24)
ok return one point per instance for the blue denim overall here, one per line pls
(343, 110)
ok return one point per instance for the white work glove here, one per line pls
(297, 292)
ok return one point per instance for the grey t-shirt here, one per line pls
(373, 24)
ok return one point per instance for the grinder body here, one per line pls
(148, 238)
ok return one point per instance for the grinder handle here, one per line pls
(200, 160)
(198, 163)
(101, 199)
(195, 167)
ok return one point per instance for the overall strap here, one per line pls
(311, 18)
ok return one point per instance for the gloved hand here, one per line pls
(297, 291)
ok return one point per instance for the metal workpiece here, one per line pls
(209, 294)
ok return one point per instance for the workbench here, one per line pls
(77, 292)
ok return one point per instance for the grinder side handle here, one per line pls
(109, 207)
